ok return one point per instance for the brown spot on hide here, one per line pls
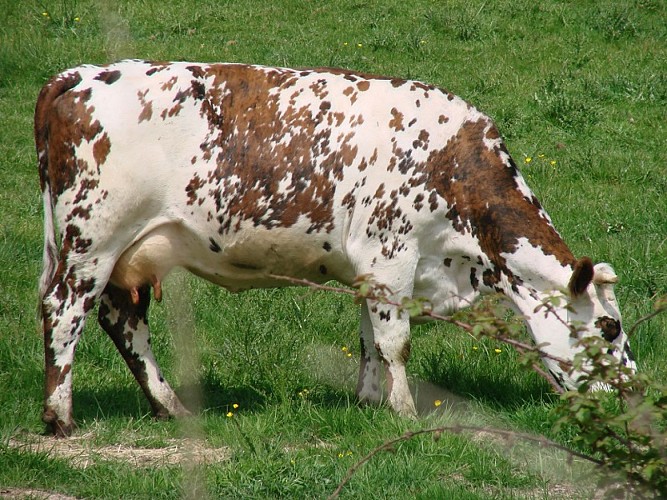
(397, 121)
(108, 77)
(485, 198)
(447, 262)
(213, 246)
(422, 140)
(474, 282)
(146, 112)
(101, 149)
(363, 85)
(191, 189)
(169, 84)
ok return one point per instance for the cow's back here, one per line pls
(267, 169)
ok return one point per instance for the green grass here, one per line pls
(581, 84)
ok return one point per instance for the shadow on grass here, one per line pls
(207, 396)
(498, 392)
(454, 383)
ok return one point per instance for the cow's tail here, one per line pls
(50, 255)
(50, 92)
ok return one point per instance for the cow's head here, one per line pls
(593, 310)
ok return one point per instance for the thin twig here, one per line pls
(549, 378)
(646, 318)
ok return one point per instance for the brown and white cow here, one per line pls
(239, 172)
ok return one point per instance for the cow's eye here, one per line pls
(611, 328)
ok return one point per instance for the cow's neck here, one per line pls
(535, 277)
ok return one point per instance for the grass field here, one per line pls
(578, 89)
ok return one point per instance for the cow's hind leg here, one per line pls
(65, 305)
(126, 321)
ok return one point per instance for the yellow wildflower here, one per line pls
(437, 403)
(528, 159)
(230, 414)
(497, 351)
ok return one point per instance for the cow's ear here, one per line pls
(582, 275)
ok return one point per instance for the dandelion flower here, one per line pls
(437, 403)
(340, 455)
(528, 159)
(552, 163)
(360, 45)
(77, 19)
(349, 354)
(230, 414)
(474, 348)
(235, 406)
(344, 348)
(497, 351)
(45, 14)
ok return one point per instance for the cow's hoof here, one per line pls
(56, 427)
(160, 412)
(407, 411)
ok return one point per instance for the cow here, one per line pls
(243, 173)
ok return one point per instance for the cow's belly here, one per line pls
(246, 259)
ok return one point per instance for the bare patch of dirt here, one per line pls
(25, 493)
(80, 452)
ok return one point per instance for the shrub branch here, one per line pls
(627, 437)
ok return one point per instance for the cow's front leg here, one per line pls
(67, 302)
(370, 369)
(392, 342)
(125, 319)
